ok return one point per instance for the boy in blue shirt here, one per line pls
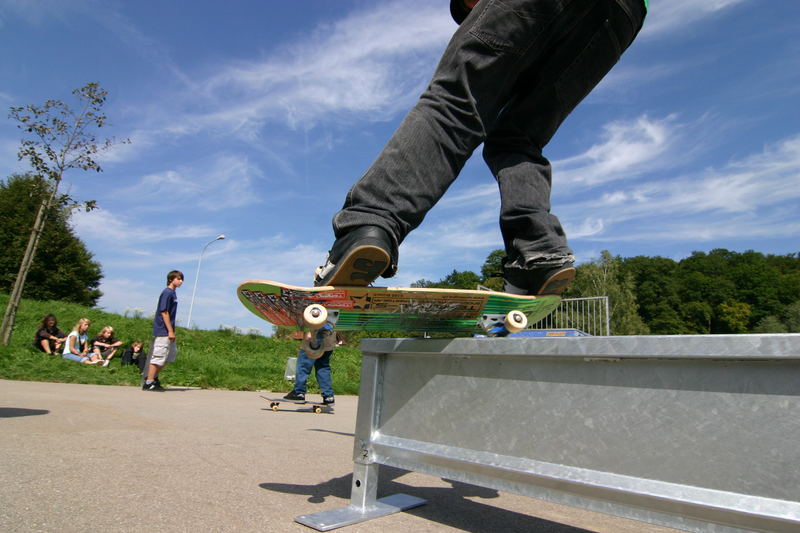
(164, 349)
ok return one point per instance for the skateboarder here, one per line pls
(511, 74)
(321, 366)
(164, 349)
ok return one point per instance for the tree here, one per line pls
(59, 139)
(605, 277)
(492, 271)
(454, 280)
(64, 269)
(734, 316)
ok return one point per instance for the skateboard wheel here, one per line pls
(274, 406)
(315, 316)
(317, 409)
(515, 321)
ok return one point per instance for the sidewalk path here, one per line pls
(86, 458)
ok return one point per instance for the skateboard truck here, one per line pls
(503, 325)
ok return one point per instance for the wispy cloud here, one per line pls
(221, 181)
(106, 228)
(746, 198)
(668, 16)
(627, 148)
(365, 64)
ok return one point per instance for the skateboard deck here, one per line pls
(316, 407)
(391, 308)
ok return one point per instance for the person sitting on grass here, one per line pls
(49, 338)
(134, 354)
(76, 347)
(105, 345)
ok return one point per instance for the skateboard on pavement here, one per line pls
(410, 309)
(316, 407)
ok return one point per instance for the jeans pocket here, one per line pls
(512, 26)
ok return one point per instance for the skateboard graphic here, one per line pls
(393, 308)
(316, 407)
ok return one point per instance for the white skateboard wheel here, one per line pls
(315, 316)
(515, 321)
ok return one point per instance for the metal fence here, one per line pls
(590, 315)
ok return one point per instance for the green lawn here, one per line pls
(207, 359)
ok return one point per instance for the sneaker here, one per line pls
(295, 396)
(328, 400)
(154, 386)
(358, 258)
(538, 281)
(105, 363)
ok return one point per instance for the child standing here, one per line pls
(309, 358)
(164, 348)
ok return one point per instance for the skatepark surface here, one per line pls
(78, 458)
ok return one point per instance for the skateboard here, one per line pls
(316, 407)
(454, 311)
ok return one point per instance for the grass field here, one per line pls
(207, 359)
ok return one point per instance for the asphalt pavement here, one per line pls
(85, 458)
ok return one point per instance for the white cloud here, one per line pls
(365, 64)
(627, 148)
(222, 181)
(107, 228)
(755, 196)
(666, 17)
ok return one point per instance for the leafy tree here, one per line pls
(454, 280)
(58, 139)
(656, 291)
(492, 270)
(734, 316)
(770, 324)
(697, 317)
(791, 318)
(605, 277)
(64, 269)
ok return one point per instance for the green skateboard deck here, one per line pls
(392, 308)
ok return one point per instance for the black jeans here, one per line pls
(510, 75)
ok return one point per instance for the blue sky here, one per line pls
(252, 119)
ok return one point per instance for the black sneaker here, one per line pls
(295, 396)
(154, 386)
(358, 258)
(328, 400)
(538, 281)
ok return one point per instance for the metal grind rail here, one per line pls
(698, 433)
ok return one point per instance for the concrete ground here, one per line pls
(88, 458)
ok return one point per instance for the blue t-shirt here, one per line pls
(168, 301)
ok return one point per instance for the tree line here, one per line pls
(706, 293)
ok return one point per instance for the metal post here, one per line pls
(197, 276)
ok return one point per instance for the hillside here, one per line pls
(207, 359)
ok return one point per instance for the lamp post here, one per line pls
(197, 276)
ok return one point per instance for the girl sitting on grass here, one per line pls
(77, 346)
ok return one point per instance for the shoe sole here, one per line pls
(360, 267)
(556, 283)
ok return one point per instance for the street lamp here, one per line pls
(197, 276)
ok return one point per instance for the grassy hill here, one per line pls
(207, 359)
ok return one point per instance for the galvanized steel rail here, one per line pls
(697, 433)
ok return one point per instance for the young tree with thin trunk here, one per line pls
(59, 138)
